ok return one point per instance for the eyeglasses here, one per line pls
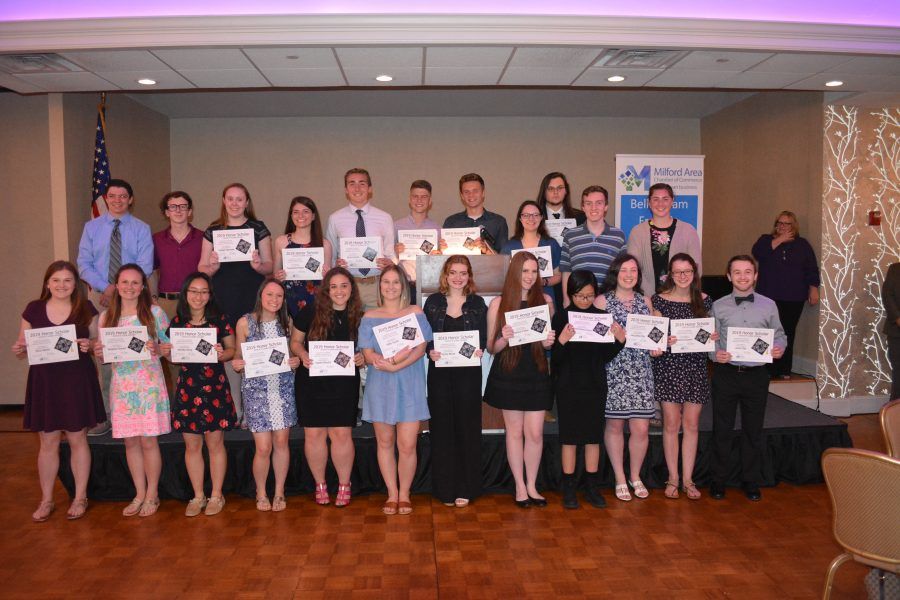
(684, 273)
(178, 207)
(198, 292)
(584, 297)
(530, 216)
(559, 188)
(785, 223)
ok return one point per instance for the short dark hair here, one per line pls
(164, 203)
(420, 184)
(357, 171)
(745, 257)
(661, 186)
(591, 189)
(578, 279)
(470, 177)
(122, 184)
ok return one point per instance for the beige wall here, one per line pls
(763, 155)
(278, 158)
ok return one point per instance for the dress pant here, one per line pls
(894, 358)
(789, 314)
(747, 388)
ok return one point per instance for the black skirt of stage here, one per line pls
(795, 438)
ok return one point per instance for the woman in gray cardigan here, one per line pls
(653, 242)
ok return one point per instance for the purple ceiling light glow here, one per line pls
(873, 12)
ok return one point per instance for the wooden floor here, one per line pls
(657, 548)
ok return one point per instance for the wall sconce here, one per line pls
(874, 216)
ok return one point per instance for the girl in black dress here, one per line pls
(519, 380)
(63, 396)
(202, 406)
(454, 394)
(579, 377)
(327, 405)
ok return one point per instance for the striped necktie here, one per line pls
(361, 232)
(115, 251)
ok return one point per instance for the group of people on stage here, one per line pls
(597, 387)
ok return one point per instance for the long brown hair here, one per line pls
(315, 228)
(510, 300)
(697, 307)
(144, 313)
(520, 229)
(223, 214)
(81, 313)
(282, 315)
(456, 259)
(323, 314)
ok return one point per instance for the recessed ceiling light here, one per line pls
(835, 83)
(292, 57)
(147, 81)
(384, 78)
(616, 78)
(722, 60)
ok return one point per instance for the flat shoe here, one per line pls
(461, 502)
(671, 490)
(526, 503)
(622, 492)
(43, 512)
(263, 504)
(640, 490)
(133, 508)
(214, 506)
(149, 508)
(538, 502)
(195, 506)
(77, 509)
(404, 507)
(690, 490)
(278, 504)
(390, 507)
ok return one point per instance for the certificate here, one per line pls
(592, 327)
(544, 258)
(194, 344)
(234, 245)
(529, 324)
(694, 335)
(461, 240)
(646, 332)
(457, 349)
(557, 227)
(51, 344)
(749, 344)
(397, 334)
(265, 357)
(302, 264)
(123, 344)
(361, 252)
(417, 242)
(331, 358)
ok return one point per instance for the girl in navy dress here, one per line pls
(303, 230)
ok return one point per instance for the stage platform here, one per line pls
(795, 438)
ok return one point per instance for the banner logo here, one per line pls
(631, 178)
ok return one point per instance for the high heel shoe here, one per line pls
(322, 494)
(343, 495)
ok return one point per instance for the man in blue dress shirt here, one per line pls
(739, 383)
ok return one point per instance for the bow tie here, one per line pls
(739, 299)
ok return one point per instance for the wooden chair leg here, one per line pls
(832, 568)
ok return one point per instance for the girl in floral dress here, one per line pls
(138, 399)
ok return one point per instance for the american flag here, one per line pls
(100, 177)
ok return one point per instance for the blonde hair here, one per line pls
(795, 226)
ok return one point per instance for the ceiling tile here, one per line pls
(305, 77)
(720, 60)
(115, 60)
(789, 62)
(685, 78)
(303, 58)
(596, 76)
(462, 76)
(539, 76)
(15, 84)
(554, 57)
(852, 82)
(379, 58)
(68, 82)
(764, 81)
(165, 80)
(870, 65)
(470, 56)
(203, 58)
(225, 78)
(366, 76)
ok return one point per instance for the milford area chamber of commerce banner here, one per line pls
(635, 173)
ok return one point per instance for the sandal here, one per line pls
(263, 504)
(43, 512)
(149, 508)
(390, 507)
(691, 490)
(133, 508)
(343, 495)
(622, 492)
(278, 504)
(671, 490)
(640, 490)
(461, 502)
(404, 507)
(322, 494)
(77, 509)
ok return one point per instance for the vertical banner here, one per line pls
(635, 173)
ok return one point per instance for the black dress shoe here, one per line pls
(717, 491)
(752, 492)
(538, 502)
(523, 503)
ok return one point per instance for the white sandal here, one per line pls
(640, 490)
(622, 492)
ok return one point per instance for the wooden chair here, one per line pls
(890, 427)
(864, 487)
